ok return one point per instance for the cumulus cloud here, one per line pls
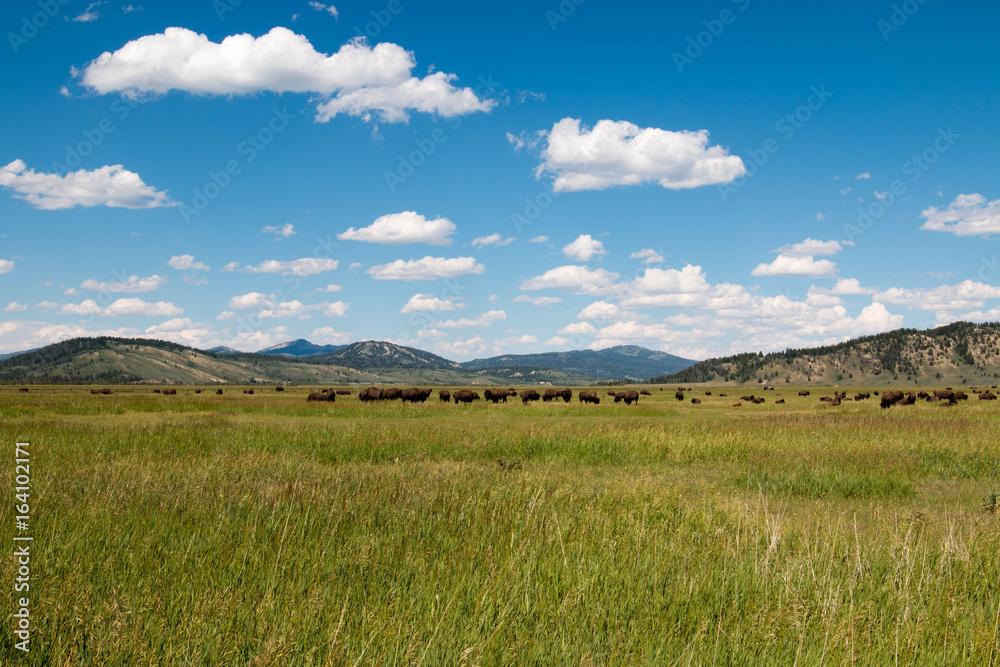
(539, 239)
(15, 307)
(863, 176)
(538, 300)
(280, 231)
(112, 186)
(963, 296)
(605, 311)
(358, 79)
(320, 7)
(968, 215)
(403, 228)
(303, 268)
(122, 308)
(6, 266)
(328, 289)
(850, 286)
(266, 307)
(487, 319)
(428, 268)
(583, 248)
(574, 279)
(429, 302)
(648, 256)
(186, 263)
(462, 349)
(130, 284)
(621, 153)
(789, 265)
(90, 13)
(493, 239)
(329, 336)
(585, 328)
(810, 248)
(335, 309)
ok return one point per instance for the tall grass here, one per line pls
(262, 530)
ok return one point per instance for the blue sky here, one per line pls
(699, 178)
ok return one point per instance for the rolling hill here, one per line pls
(623, 361)
(954, 354)
(300, 348)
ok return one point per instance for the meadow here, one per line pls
(265, 530)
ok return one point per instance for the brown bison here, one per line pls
(370, 394)
(391, 394)
(169, 392)
(197, 391)
(511, 391)
(320, 396)
(708, 393)
(567, 395)
(961, 396)
(157, 391)
(279, 388)
(987, 396)
(860, 396)
(736, 405)
(891, 398)
(679, 395)
(343, 392)
(631, 396)
(465, 396)
(495, 395)
(780, 401)
(804, 392)
(95, 391)
(645, 392)
(529, 395)
(245, 391)
(414, 395)
(444, 395)
(588, 396)
(695, 401)
(611, 393)
(757, 401)
(218, 392)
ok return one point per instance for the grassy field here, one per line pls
(265, 530)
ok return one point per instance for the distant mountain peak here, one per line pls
(300, 347)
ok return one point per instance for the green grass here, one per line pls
(264, 530)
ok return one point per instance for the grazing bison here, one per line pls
(24, 389)
(157, 391)
(529, 395)
(961, 396)
(757, 401)
(737, 405)
(723, 395)
(747, 398)
(804, 392)
(95, 391)
(679, 395)
(780, 401)
(370, 394)
(588, 396)
(343, 392)
(695, 401)
(391, 394)
(890, 398)
(170, 392)
(708, 393)
(619, 396)
(987, 396)
(495, 395)
(631, 396)
(645, 392)
(218, 392)
(444, 395)
(245, 391)
(861, 396)
(320, 396)
(465, 396)
(279, 388)
(414, 395)
(611, 393)
(197, 391)
(511, 391)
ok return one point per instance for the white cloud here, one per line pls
(850, 286)
(863, 176)
(15, 307)
(462, 348)
(186, 263)
(575, 279)
(403, 228)
(193, 279)
(122, 308)
(493, 239)
(133, 284)
(820, 216)
(968, 215)
(280, 231)
(112, 186)
(621, 153)
(336, 309)
(688, 280)
(329, 336)
(810, 248)
(303, 268)
(604, 311)
(788, 265)
(251, 301)
(963, 296)
(487, 319)
(539, 239)
(526, 339)
(431, 333)
(361, 79)
(429, 302)
(328, 289)
(355, 266)
(428, 268)
(266, 307)
(320, 7)
(585, 328)
(46, 305)
(844, 191)
(648, 256)
(90, 13)
(6, 266)
(583, 248)
(538, 300)
(881, 194)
